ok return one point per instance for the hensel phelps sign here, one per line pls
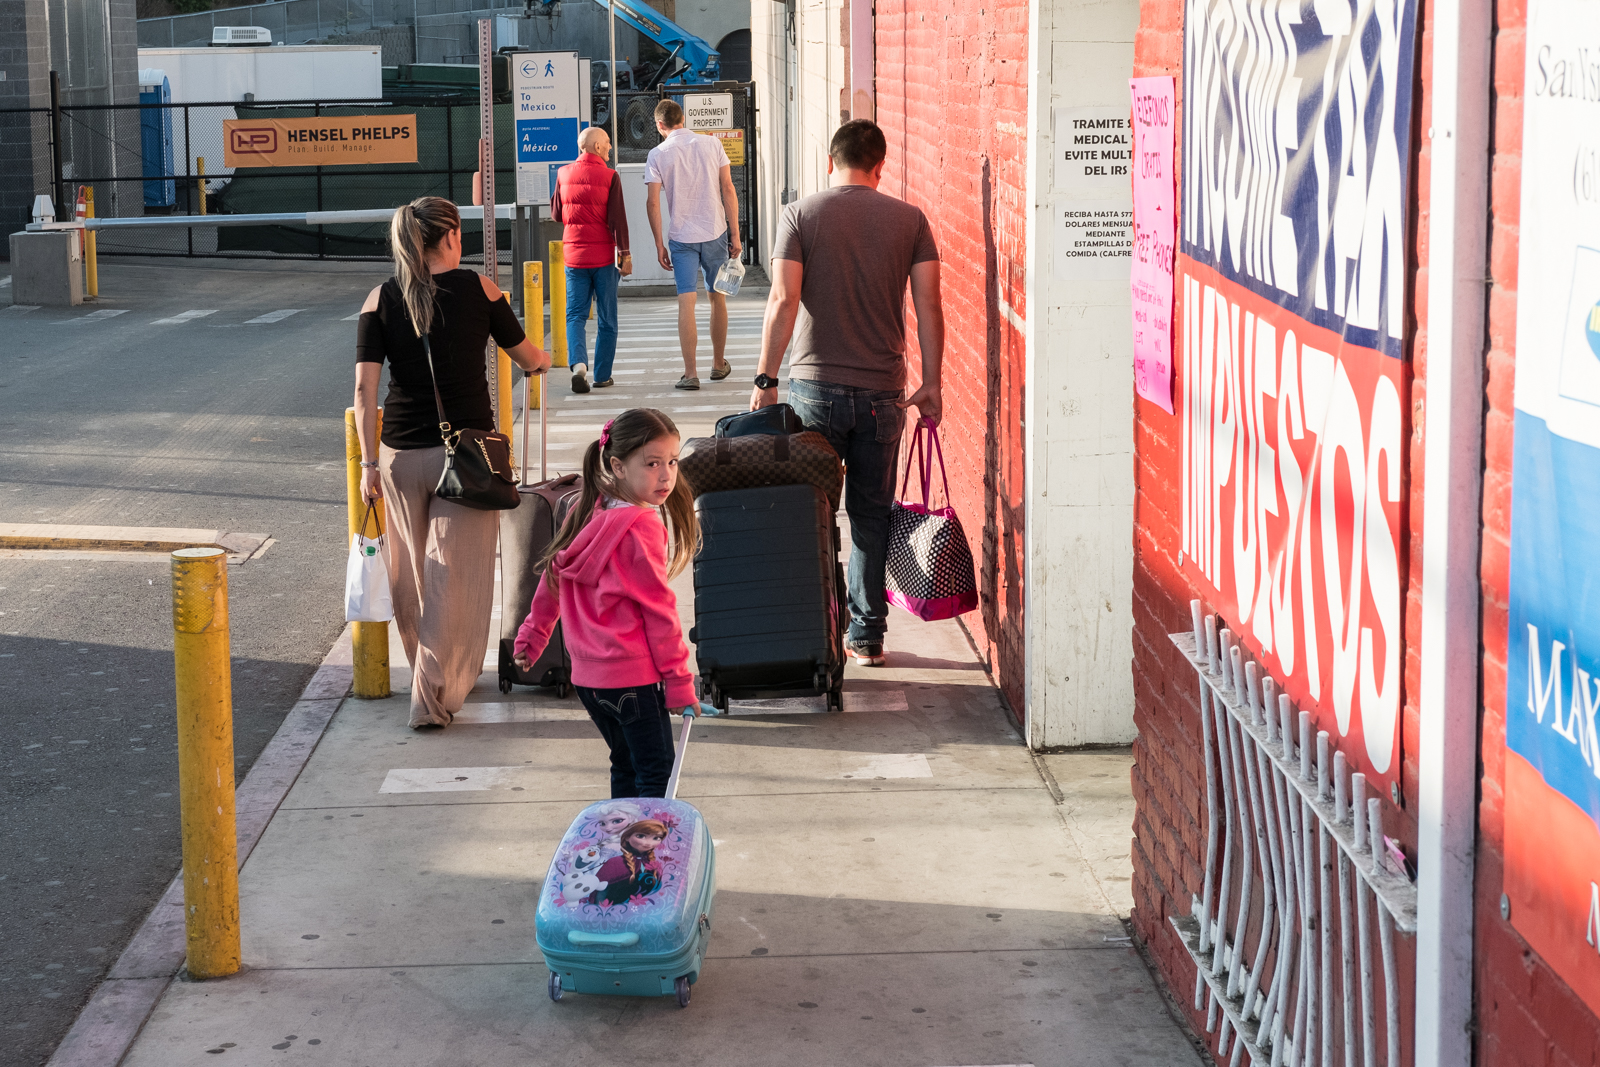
(319, 142)
(1291, 283)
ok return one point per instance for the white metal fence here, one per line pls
(1289, 976)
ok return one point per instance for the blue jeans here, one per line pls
(600, 283)
(687, 259)
(638, 728)
(864, 427)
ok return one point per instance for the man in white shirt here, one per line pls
(692, 171)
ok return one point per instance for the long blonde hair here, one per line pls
(628, 433)
(417, 227)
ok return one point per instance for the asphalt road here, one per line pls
(214, 422)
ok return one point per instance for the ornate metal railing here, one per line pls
(1290, 978)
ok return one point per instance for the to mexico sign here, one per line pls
(1292, 287)
(319, 142)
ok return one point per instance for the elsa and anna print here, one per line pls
(619, 863)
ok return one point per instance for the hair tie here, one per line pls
(605, 435)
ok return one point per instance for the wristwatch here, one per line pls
(766, 381)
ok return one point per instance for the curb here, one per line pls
(108, 1025)
(46, 537)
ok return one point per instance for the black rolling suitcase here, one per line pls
(525, 531)
(769, 595)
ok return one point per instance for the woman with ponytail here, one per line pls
(441, 554)
(606, 574)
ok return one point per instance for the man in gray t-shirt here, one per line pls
(840, 266)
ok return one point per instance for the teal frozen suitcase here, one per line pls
(627, 902)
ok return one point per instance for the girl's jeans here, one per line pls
(638, 728)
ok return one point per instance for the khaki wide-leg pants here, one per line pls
(441, 577)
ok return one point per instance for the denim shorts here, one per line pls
(708, 256)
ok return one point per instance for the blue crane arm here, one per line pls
(704, 61)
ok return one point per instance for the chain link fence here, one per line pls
(173, 164)
(637, 134)
(168, 159)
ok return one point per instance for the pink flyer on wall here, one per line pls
(1153, 233)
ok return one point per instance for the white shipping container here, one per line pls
(285, 72)
(312, 72)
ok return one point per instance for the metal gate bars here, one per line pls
(1291, 979)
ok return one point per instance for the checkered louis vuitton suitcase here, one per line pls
(717, 464)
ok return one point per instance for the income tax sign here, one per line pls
(1291, 279)
(319, 142)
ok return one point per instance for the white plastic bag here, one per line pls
(366, 582)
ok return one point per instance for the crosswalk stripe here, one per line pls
(94, 316)
(183, 317)
(351, 318)
(23, 309)
(273, 316)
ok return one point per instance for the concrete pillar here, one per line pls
(1079, 421)
(863, 54)
(46, 269)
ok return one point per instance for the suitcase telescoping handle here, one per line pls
(677, 761)
(683, 745)
(544, 433)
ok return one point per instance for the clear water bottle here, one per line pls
(729, 277)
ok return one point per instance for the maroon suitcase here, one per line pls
(525, 532)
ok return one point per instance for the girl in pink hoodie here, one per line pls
(606, 574)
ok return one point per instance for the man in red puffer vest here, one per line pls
(587, 201)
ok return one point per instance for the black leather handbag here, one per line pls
(477, 465)
(774, 420)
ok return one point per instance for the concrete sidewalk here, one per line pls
(902, 884)
(897, 886)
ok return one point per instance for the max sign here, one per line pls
(1291, 282)
(308, 142)
(1552, 677)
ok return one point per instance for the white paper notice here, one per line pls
(1093, 229)
(1094, 239)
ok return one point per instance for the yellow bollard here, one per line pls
(533, 316)
(200, 182)
(558, 306)
(205, 760)
(369, 641)
(91, 265)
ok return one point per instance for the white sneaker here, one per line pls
(580, 378)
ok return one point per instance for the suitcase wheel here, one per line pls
(505, 684)
(564, 690)
(555, 986)
(681, 985)
(836, 699)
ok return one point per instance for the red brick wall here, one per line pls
(961, 156)
(1527, 1016)
(1169, 774)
